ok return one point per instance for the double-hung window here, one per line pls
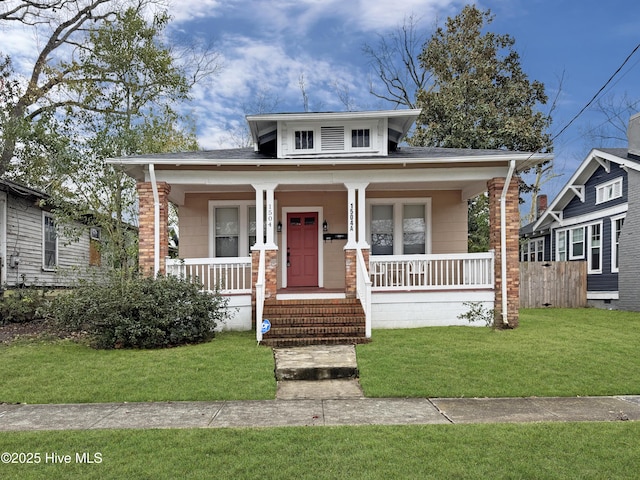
(561, 246)
(399, 227)
(533, 250)
(576, 243)
(616, 230)
(594, 260)
(233, 228)
(49, 242)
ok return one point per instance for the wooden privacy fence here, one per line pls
(553, 284)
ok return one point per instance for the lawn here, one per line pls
(551, 450)
(230, 367)
(554, 352)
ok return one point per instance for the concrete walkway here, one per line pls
(317, 386)
(276, 413)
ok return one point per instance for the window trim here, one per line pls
(564, 245)
(347, 126)
(243, 225)
(589, 240)
(398, 217)
(45, 267)
(571, 243)
(615, 246)
(602, 188)
(525, 254)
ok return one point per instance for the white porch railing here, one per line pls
(363, 289)
(432, 272)
(228, 275)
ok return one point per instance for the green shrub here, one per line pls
(142, 312)
(22, 305)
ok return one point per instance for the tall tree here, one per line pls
(58, 75)
(481, 98)
(129, 110)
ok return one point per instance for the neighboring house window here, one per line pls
(227, 231)
(595, 248)
(609, 191)
(616, 230)
(399, 227)
(304, 139)
(360, 138)
(533, 250)
(576, 243)
(50, 242)
(561, 246)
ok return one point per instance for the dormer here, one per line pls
(330, 134)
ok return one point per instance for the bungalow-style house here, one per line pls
(33, 251)
(329, 227)
(595, 218)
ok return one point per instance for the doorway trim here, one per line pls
(283, 263)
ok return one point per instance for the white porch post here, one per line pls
(351, 217)
(362, 217)
(259, 245)
(271, 217)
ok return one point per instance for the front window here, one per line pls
(304, 139)
(360, 138)
(382, 229)
(226, 231)
(399, 227)
(50, 243)
(413, 229)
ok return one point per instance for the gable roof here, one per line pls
(575, 186)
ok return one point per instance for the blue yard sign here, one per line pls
(266, 325)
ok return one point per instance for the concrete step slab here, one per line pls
(319, 389)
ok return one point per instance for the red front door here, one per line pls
(302, 249)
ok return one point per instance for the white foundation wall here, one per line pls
(426, 309)
(240, 312)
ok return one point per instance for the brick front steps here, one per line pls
(314, 322)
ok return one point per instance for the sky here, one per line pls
(267, 46)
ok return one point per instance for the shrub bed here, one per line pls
(22, 305)
(142, 312)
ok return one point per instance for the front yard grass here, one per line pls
(230, 367)
(548, 450)
(554, 352)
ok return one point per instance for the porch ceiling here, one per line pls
(468, 188)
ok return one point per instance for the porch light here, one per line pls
(325, 226)
(279, 227)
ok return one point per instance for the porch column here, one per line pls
(495, 188)
(150, 261)
(356, 236)
(270, 247)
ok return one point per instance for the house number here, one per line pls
(269, 215)
(351, 217)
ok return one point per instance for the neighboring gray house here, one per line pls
(596, 218)
(33, 251)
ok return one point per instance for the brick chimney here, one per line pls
(541, 205)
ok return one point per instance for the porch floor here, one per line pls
(300, 293)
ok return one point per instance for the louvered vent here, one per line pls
(332, 138)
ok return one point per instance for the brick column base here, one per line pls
(271, 277)
(512, 216)
(351, 270)
(146, 221)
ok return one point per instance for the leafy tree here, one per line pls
(481, 97)
(128, 109)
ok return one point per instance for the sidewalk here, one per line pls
(323, 412)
